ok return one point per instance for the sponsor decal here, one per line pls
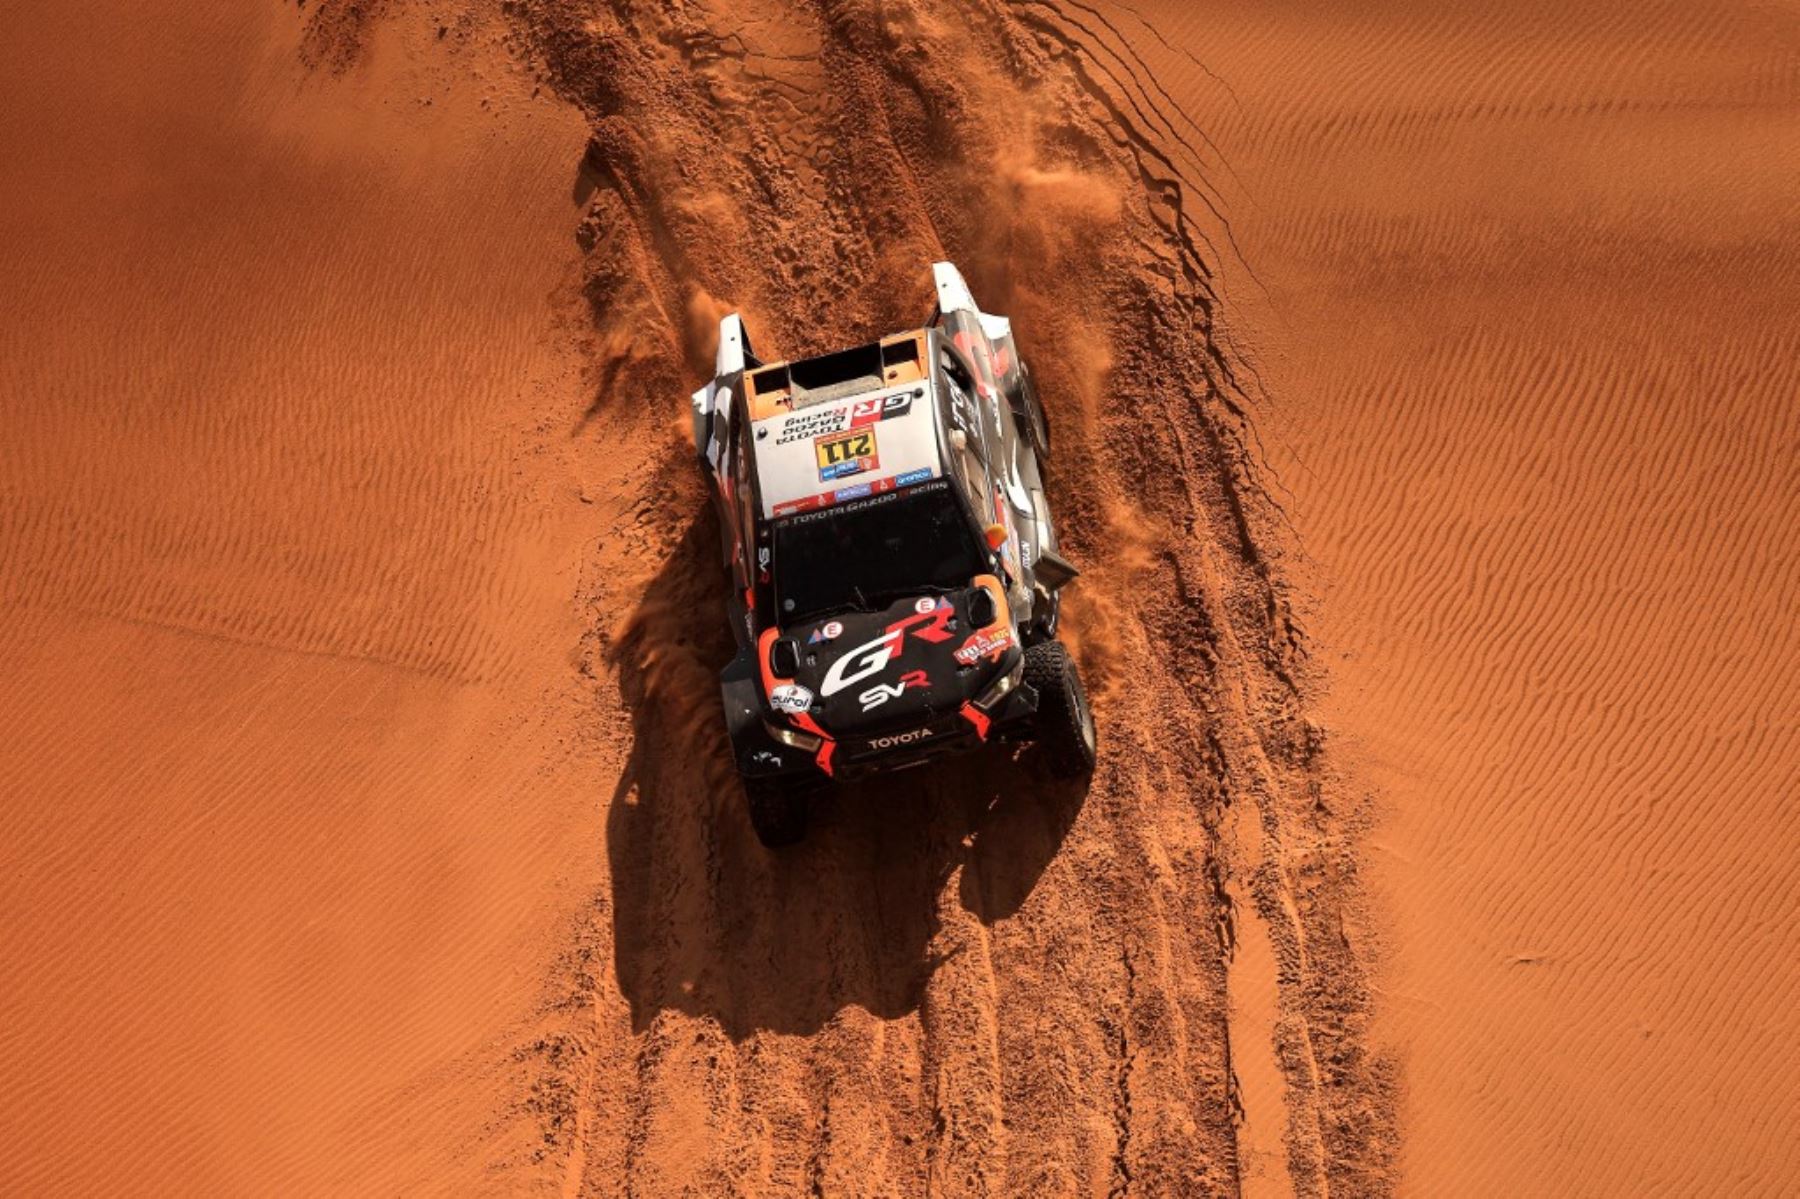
(851, 454)
(934, 624)
(984, 645)
(899, 739)
(880, 693)
(791, 697)
(962, 410)
(766, 757)
(858, 491)
(803, 426)
(867, 412)
(872, 657)
(926, 604)
(831, 630)
(865, 661)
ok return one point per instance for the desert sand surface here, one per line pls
(1426, 438)
(1525, 287)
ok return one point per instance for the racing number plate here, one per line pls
(849, 454)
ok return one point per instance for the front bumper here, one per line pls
(1008, 718)
(766, 751)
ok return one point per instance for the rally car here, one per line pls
(895, 578)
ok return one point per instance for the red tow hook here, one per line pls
(976, 717)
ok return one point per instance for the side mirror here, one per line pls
(784, 658)
(996, 536)
(982, 609)
(1053, 570)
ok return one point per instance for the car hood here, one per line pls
(863, 673)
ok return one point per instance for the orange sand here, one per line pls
(278, 615)
(1528, 324)
(364, 824)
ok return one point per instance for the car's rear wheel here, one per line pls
(779, 810)
(1065, 722)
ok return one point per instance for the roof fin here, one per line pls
(953, 293)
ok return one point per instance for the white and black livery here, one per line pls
(894, 569)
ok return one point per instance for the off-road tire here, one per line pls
(1065, 723)
(779, 811)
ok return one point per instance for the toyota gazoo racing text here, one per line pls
(894, 570)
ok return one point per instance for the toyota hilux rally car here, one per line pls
(894, 570)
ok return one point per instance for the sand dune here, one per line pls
(1527, 274)
(279, 610)
(416, 632)
(368, 827)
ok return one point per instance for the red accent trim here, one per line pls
(762, 659)
(976, 717)
(936, 631)
(981, 353)
(800, 720)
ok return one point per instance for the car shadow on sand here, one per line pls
(708, 922)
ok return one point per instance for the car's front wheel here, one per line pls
(1065, 722)
(779, 811)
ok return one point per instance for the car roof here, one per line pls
(845, 425)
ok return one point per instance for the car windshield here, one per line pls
(870, 552)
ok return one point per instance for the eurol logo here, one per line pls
(791, 697)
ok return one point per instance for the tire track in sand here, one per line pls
(971, 982)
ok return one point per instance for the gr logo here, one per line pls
(867, 412)
(870, 658)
